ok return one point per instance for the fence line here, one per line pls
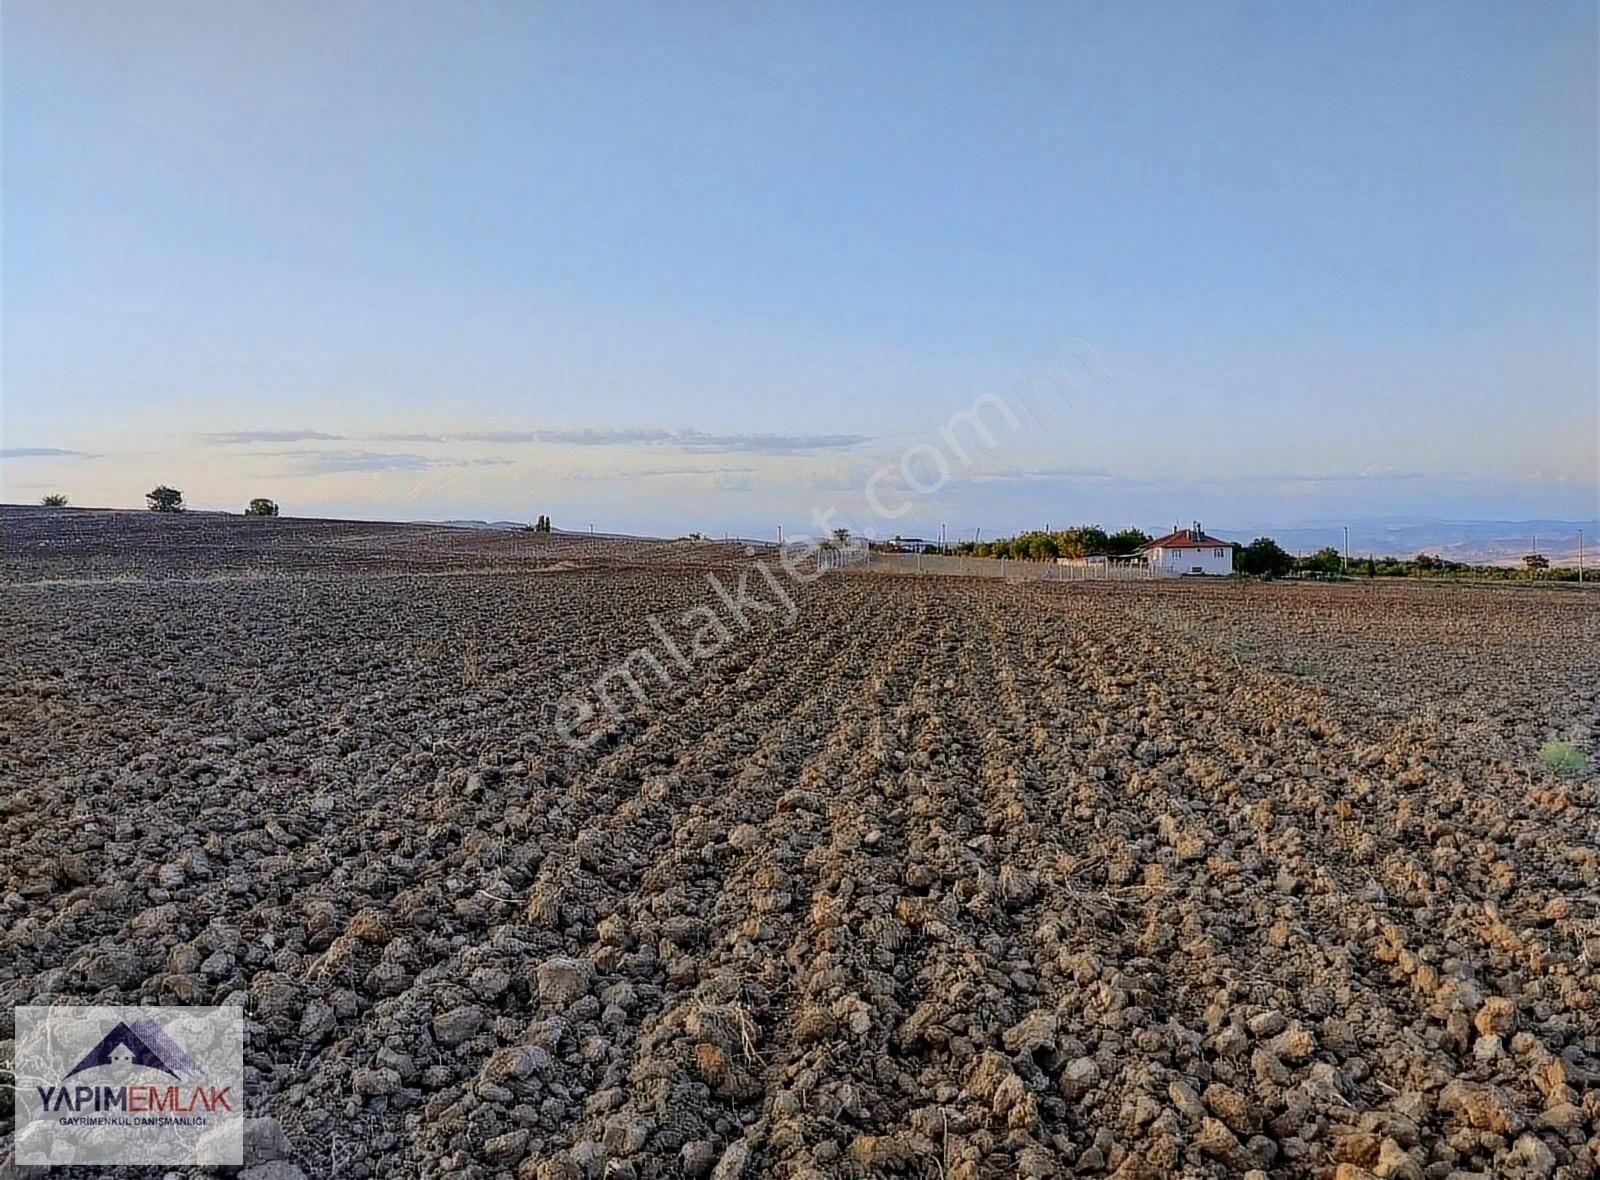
(1106, 572)
(851, 553)
(1016, 571)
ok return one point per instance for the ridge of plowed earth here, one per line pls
(949, 878)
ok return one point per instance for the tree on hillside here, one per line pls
(542, 525)
(1264, 558)
(1427, 561)
(164, 499)
(54, 500)
(261, 506)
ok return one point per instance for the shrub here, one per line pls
(1563, 757)
(261, 506)
(54, 500)
(164, 499)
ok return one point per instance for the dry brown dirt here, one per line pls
(948, 878)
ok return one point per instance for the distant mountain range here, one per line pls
(1489, 542)
(480, 524)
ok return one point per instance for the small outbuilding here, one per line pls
(1189, 551)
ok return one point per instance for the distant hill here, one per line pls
(479, 524)
(1489, 542)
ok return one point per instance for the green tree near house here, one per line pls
(1082, 541)
(1264, 558)
(1326, 560)
(1126, 542)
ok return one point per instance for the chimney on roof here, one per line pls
(1198, 531)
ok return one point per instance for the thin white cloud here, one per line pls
(338, 462)
(687, 440)
(619, 474)
(236, 437)
(765, 444)
(44, 453)
(1023, 475)
(599, 436)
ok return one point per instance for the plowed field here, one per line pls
(946, 878)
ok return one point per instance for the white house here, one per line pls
(1189, 551)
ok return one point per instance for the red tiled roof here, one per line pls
(1188, 539)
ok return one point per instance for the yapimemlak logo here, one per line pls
(129, 1085)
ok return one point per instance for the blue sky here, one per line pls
(667, 267)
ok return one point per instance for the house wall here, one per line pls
(1217, 561)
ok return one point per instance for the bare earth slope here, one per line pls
(75, 543)
(947, 878)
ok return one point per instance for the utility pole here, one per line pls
(780, 536)
(1580, 557)
(1347, 550)
(942, 549)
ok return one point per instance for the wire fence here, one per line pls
(1007, 568)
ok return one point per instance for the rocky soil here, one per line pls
(947, 879)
